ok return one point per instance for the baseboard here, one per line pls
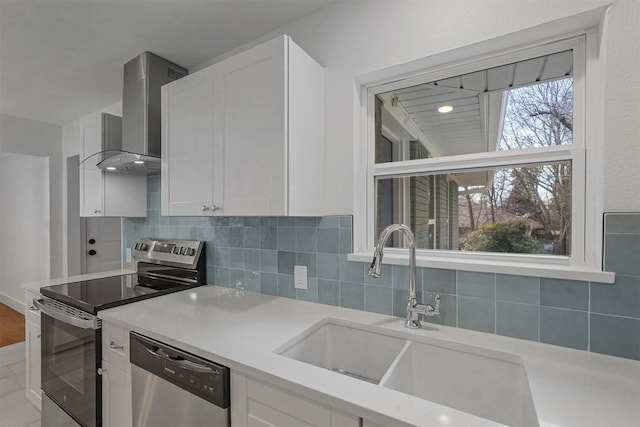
(16, 304)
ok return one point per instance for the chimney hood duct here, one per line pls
(140, 151)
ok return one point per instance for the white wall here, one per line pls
(24, 224)
(621, 141)
(30, 137)
(359, 37)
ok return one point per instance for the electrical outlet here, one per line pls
(300, 276)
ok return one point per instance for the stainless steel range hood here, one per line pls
(140, 151)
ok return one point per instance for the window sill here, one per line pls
(488, 266)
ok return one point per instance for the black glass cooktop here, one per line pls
(100, 294)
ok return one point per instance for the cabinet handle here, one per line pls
(38, 335)
(96, 211)
(114, 346)
(211, 208)
(102, 371)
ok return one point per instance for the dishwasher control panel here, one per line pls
(199, 376)
(203, 382)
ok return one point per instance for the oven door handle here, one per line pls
(84, 323)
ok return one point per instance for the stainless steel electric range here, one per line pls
(71, 330)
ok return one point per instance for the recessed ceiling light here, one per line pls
(139, 162)
(445, 109)
(111, 168)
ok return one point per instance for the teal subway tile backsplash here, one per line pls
(378, 299)
(517, 320)
(329, 292)
(352, 295)
(573, 294)
(568, 328)
(618, 336)
(622, 223)
(480, 285)
(258, 254)
(517, 289)
(622, 299)
(622, 253)
(477, 314)
(439, 280)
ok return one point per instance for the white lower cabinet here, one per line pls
(255, 403)
(32, 349)
(116, 397)
(33, 363)
(116, 377)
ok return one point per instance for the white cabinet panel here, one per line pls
(32, 348)
(272, 406)
(115, 346)
(116, 397)
(91, 188)
(255, 119)
(187, 145)
(259, 404)
(33, 342)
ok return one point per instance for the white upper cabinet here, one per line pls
(188, 160)
(103, 193)
(246, 136)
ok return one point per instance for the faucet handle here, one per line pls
(437, 307)
(428, 309)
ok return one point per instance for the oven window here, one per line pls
(68, 358)
(69, 364)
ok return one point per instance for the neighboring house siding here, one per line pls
(420, 199)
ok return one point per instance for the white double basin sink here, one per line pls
(482, 382)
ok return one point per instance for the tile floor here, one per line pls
(15, 409)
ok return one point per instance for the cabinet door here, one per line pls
(91, 188)
(270, 406)
(116, 397)
(187, 145)
(254, 117)
(33, 362)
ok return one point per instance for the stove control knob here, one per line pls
(175, 250)
(191, 252)
(136, 246)
(183, 250)
(144, 247)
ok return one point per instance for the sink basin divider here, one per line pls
(395, 362)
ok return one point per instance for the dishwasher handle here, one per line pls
(179, 360)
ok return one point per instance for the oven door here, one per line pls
(70, 356)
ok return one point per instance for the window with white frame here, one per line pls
(485, 159)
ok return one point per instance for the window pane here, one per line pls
(521, 105)
(539, 115)
(524, 209)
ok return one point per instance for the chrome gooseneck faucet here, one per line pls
(414, 310)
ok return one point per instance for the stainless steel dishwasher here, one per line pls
(172, 388)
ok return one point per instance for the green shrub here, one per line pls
(505, 236)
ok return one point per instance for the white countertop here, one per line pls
(35, 286)
(241, 329)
